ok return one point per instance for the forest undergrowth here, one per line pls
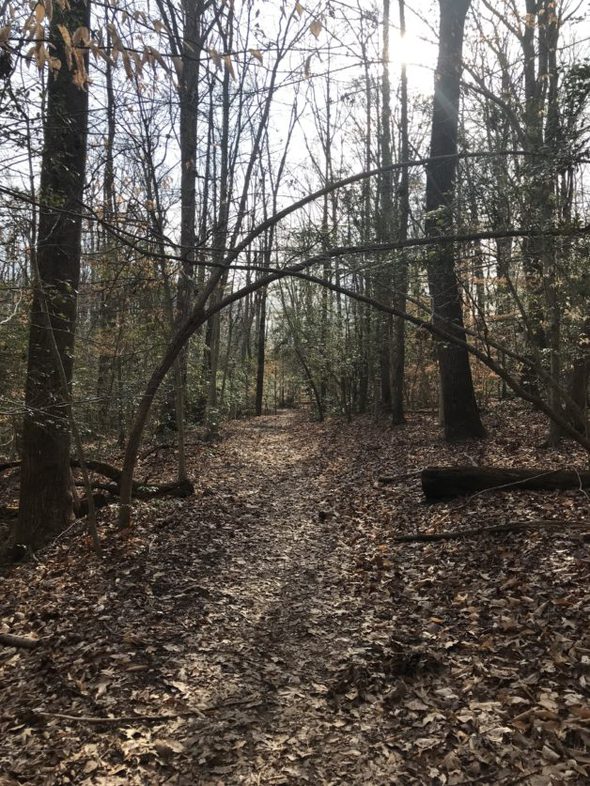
(269, 629)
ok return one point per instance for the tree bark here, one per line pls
(188, 97)
(46, 498)
(459, 408)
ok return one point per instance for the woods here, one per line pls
(325, 217)
(501, 174)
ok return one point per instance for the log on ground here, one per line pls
(448, 482)
(176, 488)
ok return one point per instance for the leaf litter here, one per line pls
(269, 630)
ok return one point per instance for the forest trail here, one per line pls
(273, 633)
(285, 619)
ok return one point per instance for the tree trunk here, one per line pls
(260, 351)
(386, 221)
(400, 274)
(107, 309)
(459, 408)
(188, 99)
(46, 498)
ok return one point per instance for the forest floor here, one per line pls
(269, 630)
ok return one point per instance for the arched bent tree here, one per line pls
(442, 329)
(460, 412)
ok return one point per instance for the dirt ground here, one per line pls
(269, 630)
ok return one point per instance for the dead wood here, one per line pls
(22, 642)
(97, 720)
(177, 488)
(245, 703)
(180, 488)
(101, 468)
(448, 482)
(562, 528)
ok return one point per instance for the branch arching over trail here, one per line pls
(129, 240)
(201, 314)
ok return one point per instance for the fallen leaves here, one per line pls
(271, 630)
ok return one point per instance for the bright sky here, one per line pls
(418, 51)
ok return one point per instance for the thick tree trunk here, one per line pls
(46, 499)
(459, 408)
(448, 482)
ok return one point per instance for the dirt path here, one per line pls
(274, 633)
(283, 623)
(235, 605)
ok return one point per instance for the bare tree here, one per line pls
(459, 410)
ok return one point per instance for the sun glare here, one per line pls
(417, 54)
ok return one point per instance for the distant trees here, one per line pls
(204, 287)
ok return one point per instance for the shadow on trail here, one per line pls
(276, 625)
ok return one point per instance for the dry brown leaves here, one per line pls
(269, 630)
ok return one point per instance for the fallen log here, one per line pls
(181, 488)
(449, 482)
(178, 488)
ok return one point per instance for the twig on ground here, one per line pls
(246, 702)
(515, 526)
(22, 642)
